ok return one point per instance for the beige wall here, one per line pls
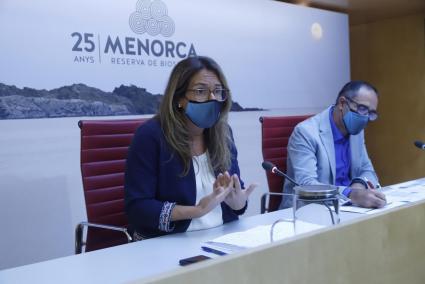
(391, 55)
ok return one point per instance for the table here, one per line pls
(139, 260)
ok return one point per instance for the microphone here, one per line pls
(268, 166)
(420, 145)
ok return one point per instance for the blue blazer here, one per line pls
(153, 176)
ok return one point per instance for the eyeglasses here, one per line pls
(202, 94)
(363, 110)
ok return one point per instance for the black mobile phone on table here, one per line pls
(193, 259)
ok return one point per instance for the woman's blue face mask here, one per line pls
(204, 114)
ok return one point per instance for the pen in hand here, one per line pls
(379, 194)
(370, 184)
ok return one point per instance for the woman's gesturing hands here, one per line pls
(236, 197)
(228, 189)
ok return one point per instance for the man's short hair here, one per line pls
(351, 89)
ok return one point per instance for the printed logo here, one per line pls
(151, 17)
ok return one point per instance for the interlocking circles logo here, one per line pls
(145, 49)
(151, 17)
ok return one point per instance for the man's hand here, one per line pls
(368, 198)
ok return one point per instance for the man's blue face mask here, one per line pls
(354, 122)
(204, 114)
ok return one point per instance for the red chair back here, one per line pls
(104, 147)
(275, 133)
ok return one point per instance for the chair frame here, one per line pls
(79, 233)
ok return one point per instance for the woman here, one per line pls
(182, 172)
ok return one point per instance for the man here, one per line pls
(329, 148)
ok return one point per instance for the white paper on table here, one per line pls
(354, 209)
(362, 210)
(258, 236)
(405, 194)
(409, 184)
(396, 195)
(386, 207)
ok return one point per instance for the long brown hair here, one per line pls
(173, 121)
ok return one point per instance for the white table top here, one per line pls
(136, 260)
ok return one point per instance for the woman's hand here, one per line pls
(237, 197)
(225, 188)
(220, 191)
